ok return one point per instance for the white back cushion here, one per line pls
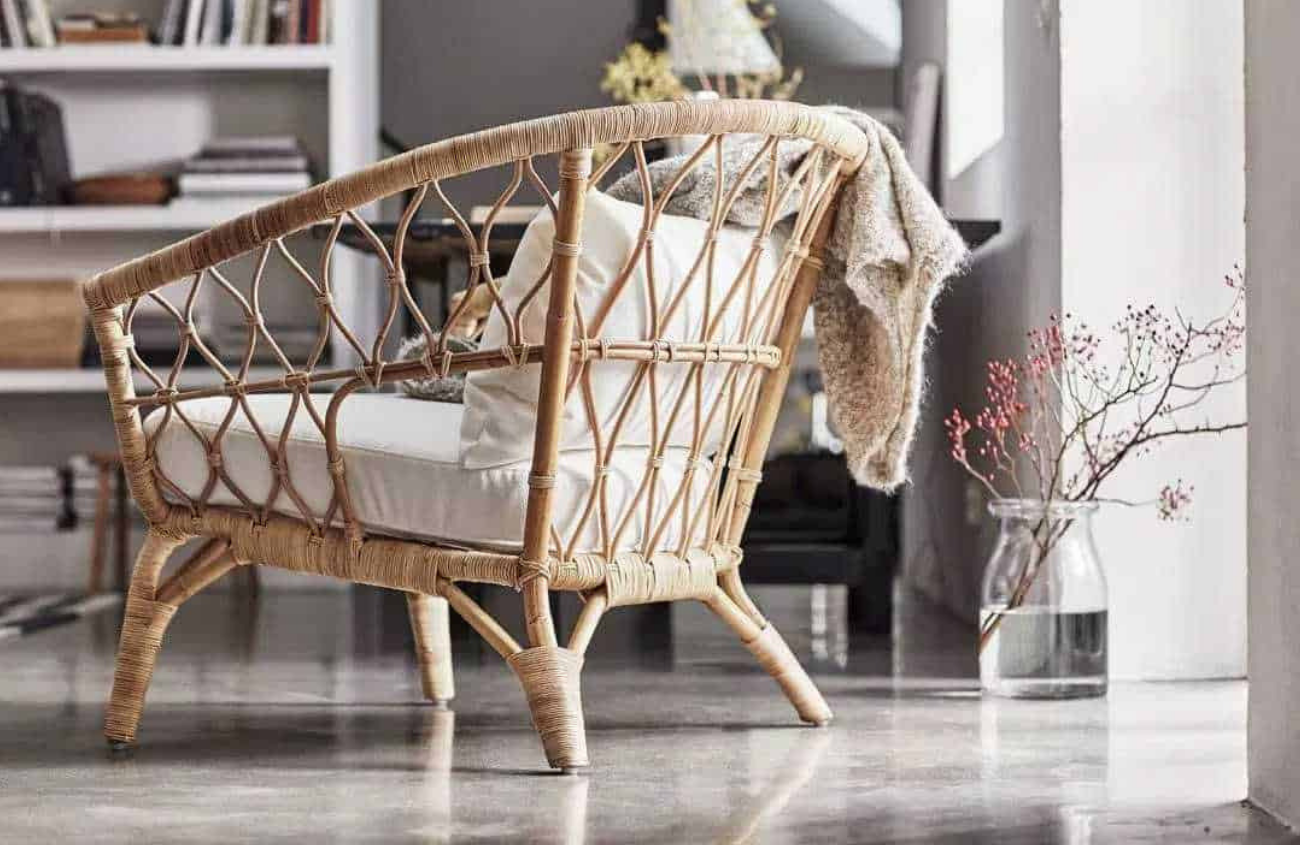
(501, 404)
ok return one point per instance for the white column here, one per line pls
(1272, 265)
(354, 143)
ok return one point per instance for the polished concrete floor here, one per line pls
(299, 721)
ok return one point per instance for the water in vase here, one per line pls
(1043, 652)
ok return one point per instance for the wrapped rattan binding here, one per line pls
(550, 678)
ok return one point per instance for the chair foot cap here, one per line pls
(440, 703)
(120, 747)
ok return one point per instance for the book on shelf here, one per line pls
(234, 23)
(287, 21)
(34, 167)
(244, 170)
(214, 22)
(171, 26)
(253, 145)
(259, 22)
(239, 24)
(97, 28)
(15, 36)
(189, 34)
(27, 23)
(236, 183)
(35, 497)
(246, 163)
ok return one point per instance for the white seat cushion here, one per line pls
(404, 471)
(501, 404)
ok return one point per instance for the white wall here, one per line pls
(1118, 178)
(1152, 158)
(1272, 256)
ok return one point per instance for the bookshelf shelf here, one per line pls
(152, 58)
(118, 218)
(91, 379)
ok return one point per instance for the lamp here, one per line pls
(717, 38)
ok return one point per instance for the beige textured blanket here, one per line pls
(888, 256)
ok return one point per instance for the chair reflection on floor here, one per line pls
(565, 800)
(792, 774)
(434, 731)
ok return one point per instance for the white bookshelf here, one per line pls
(138, 108)
(144, 107)
(143, 58)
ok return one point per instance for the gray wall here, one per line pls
(1272, 256)
(452, 67)
(1013, 285)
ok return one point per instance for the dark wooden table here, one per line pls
(435, 253)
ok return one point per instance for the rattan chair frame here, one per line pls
(701, 565)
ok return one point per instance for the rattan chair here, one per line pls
(280, 529)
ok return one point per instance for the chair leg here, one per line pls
(772, 653)
(551, 678)
(143, 626)
(431, 626)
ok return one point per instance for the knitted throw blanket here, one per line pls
(888, 256)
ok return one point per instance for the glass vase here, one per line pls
(1043, 603)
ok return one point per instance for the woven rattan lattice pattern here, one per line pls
(715, 388)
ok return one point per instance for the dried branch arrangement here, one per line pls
(1061, 421)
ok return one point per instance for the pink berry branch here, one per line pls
(1059, 422)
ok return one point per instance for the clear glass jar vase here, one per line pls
(1043, 603)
